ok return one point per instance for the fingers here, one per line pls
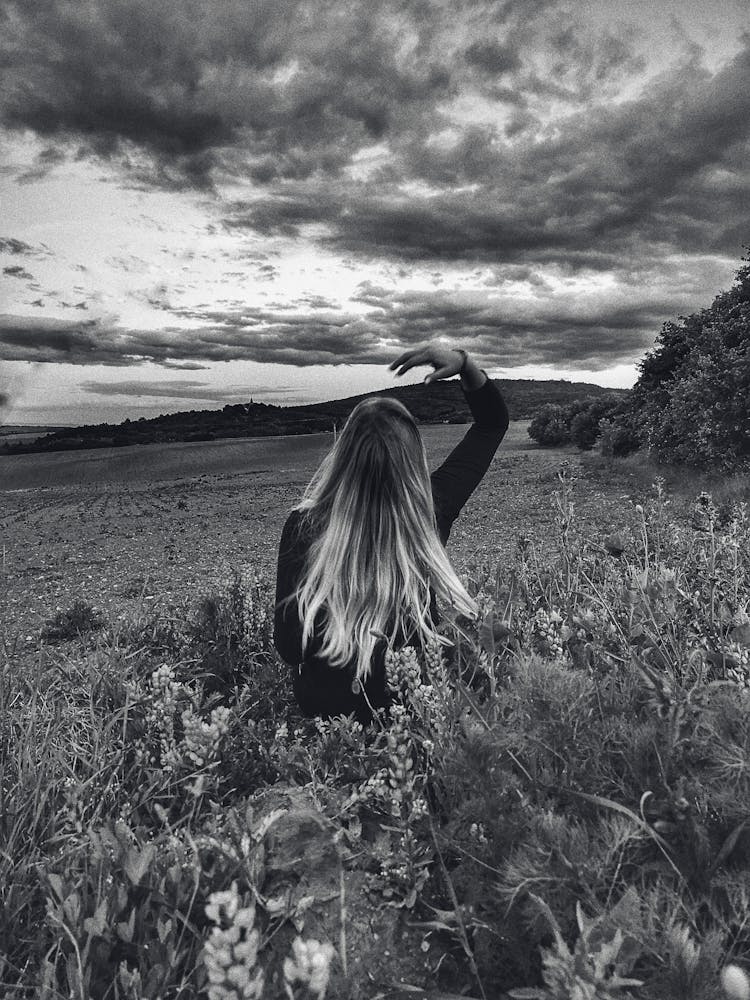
(446, 362)
(410, 359)
(438, 374)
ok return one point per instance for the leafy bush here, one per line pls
(549, 425)
(585, 426)
(693, 388)
(620, 433)
(578, 422)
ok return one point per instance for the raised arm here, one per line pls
(462, 471)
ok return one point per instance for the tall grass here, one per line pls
(559, 808)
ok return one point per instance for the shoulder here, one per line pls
(297, 526)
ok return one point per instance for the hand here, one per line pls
(445, 362)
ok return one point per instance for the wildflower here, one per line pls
(201, 739)
(310, 965)
(231, 952)
(705, 512)
(547, 630)
(402, 669)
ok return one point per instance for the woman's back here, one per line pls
(367, 551)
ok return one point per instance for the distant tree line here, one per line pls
(441, 402)
(691, 403)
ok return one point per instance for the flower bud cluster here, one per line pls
(165, 694)
(255, 608)
(402, 670)
(400, 759)
(547, 632)
(404, 871)
(201, 739)
(404, 676)
(434, 657)
(740, 672)
(425, 703)
(231, 952)
(373, 789)
(309, 965)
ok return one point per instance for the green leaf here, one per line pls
(72, 907)
(729, 845)
(57, 885)
(137, 862)
(155, 979)
(163, 928)
(97, 925)
(125, 930)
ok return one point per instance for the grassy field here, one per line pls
(557, 807)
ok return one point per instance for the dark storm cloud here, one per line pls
(273, 90)
(17, 248)
(12, 246)
(185, 366)
(669, 169)
(181, 390)
(295, 95)
(16, 271)
(281, 336)
(290, 88)
(31, 339)
(288, 93)
(558, 327)
(492, 57)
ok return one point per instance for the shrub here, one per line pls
(577, 422)
(585, 425)
(693, 388)
(620, 434)
(549, 426)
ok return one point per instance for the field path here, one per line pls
(159, 525)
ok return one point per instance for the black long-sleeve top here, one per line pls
(321, 689)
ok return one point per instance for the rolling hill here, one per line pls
(440, 402)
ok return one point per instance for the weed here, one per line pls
(72, 623)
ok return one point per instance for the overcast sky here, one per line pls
(204, 201)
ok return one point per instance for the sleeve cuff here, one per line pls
(482, 387)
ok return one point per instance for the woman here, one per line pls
(362, 556)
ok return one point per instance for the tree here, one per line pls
(584, 427)
(694, 386)
(549, 425)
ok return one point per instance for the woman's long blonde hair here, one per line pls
(375, 549)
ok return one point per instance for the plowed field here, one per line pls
(154, 526)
